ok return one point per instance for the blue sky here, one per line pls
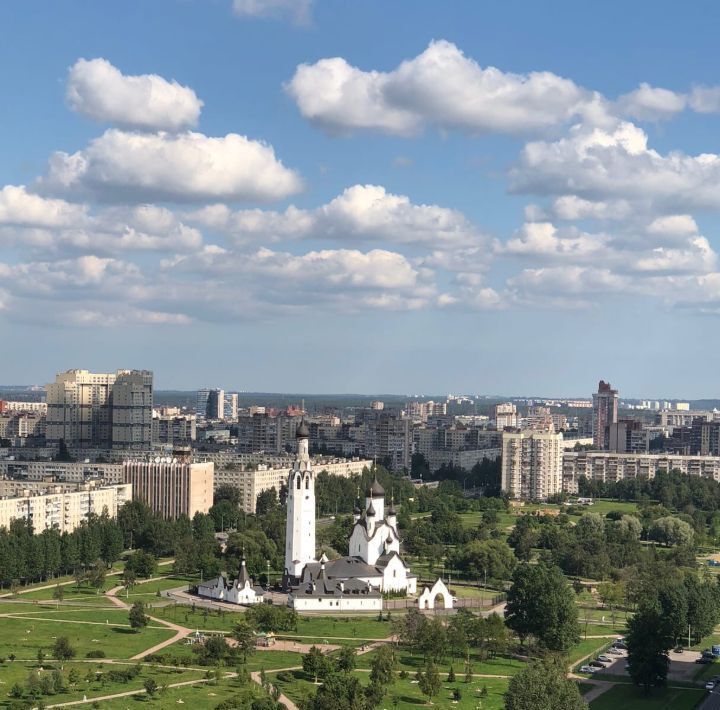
(322, 196)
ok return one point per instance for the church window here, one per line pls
(307, 482)
(298, 483)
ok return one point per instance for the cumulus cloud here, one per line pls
(542, 239)
(705, 99)
(296, 10)
(21, 208)
(648, 103)
(344, 279)
(597, 164)
(134, 167)
(99, 90)
(362, 213)
(440, 87)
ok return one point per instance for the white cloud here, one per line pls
(572, 207)
(133, 167)
(99, 90)
(705, 99)
(597, 164)
(362, 213)
(296, 10)
(648, 103)
(441, 87)
(542, 239)
(21, 208)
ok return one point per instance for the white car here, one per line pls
(710, 685)
(587, 669)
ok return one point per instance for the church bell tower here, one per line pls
(300, 527)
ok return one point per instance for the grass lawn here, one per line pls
(273, 659)
(322, 627)
(17, 672)
(201, 696)
(587, 647)
(404, 693)
(628, 697)
(24, 637)
(206, 619)
(474, 592)
(412, 662)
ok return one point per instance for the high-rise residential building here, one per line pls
(605, 413)
(230, 406)
(627, 436)
(532, 464)
(99, 410)
(505, 416)
(174, 428)
(201, 402)
(215, 407)
(171, 488)
(131, 410)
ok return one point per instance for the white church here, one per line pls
(353, 583)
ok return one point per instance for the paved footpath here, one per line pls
(129, 693)
(289, 704)
(180, 631)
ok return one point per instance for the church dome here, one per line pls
(302, 432)
(370, 511)
(375, 490)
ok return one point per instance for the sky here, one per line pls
(322, 196)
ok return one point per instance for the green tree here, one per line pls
(543, 685)
(649, 639)
(58, 592)
(62, 650)
(382, 666)
(429, 680)
(137, 617)
(245, 639)
(151, 686)
(541, 603)
(346, 660)
(314, 663)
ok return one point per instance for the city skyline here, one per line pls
(291, 184)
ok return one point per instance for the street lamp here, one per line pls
(268, 575)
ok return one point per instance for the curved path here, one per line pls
(180, 631)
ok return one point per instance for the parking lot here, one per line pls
(683, 666)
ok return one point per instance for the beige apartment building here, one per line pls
(88, 409)
(250, 483)
(58, 506)
(170, 487)
(532, 464)
(612, 467)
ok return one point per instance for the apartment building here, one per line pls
(171, 488)
(611, 467)
(12, 406)
(605, 413)
(58, 506)
(96, 410)
(532, 464)
(69, 472)
(174, 428)
(505, 416)
(251, 482)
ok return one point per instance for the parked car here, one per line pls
(621, 645)
(678, 649)
(704, 659)
(615, 651)
(710, 685)
(605, 659)
(596, 664)
(587, 669)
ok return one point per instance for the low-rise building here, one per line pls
(611, 467)
(59, 506)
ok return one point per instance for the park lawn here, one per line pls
(587, 647)
(82, 593)
(201, 696)
(595, 614)
(327, 627)
(603, 507)
(625, 696)
(475, 593)
(601, 630)
(404, 693)
(17, 672)
(205, 619)
(270, 660)
(24, 637)
(412, 662)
